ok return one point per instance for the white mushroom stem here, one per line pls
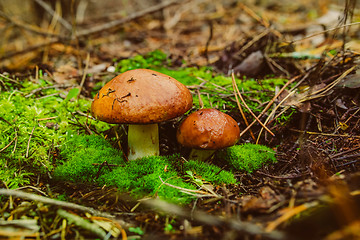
(201, 154)
(143, 141)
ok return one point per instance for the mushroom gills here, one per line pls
(143, 140)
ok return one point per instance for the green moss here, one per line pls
(152, 59)
(247, 157)
(32, 123)
(80, 152)
(209, 172)
(142, 178)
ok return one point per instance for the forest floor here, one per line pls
(312, 192)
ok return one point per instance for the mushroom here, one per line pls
(207, 130)
(141, 98)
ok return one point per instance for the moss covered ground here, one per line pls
(45, 132)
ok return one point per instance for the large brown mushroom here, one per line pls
(141, 98)
(207, 130)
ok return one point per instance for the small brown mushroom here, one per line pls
(207, 130)
(141, 98)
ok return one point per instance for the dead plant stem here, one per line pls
(247, 107)
(28, 144)
(35, 197)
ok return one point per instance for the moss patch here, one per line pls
(34, 119)
(209, 172)
(142, 177)
(80, 152)
(247, 157)
(145, 177)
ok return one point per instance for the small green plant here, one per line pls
(136, 230)
(247, 157)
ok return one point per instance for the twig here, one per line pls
(7, 78)
(289, 214)
(345, 152)
(252, 14)
(269, 104)
(28, 144)
(210, 220)
(85, 126)
(324, 134)
(48, 8)
(347, 120)
(4, 148)
(28, 27)
(273, 112)
(240, 108)
(247, 107)
(209, 40)
(81, 222)
(84, 73)
(254, 40)
(196, 193)
(325, 31)
(323, 92)
(35, 197)
(48, 87)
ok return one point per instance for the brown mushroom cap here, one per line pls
(141, 96)
(208, 129)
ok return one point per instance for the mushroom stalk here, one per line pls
(201, 154)
(143, 140)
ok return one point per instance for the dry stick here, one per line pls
(28, 144)
(269, 104)
(35, 197)
(9, 144)
(9, 79)
(325, 31)
(252, 14)
(28, 27)
(82, 222)
(240, 108)
(55, 14)
(324, 134)
(247, 107)
(254, 40)
(347, 120)
(196, 193)
(323, 91)
(16, 140)
(211, 220)
(273, 112)
(201, 103)
(84, 74)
